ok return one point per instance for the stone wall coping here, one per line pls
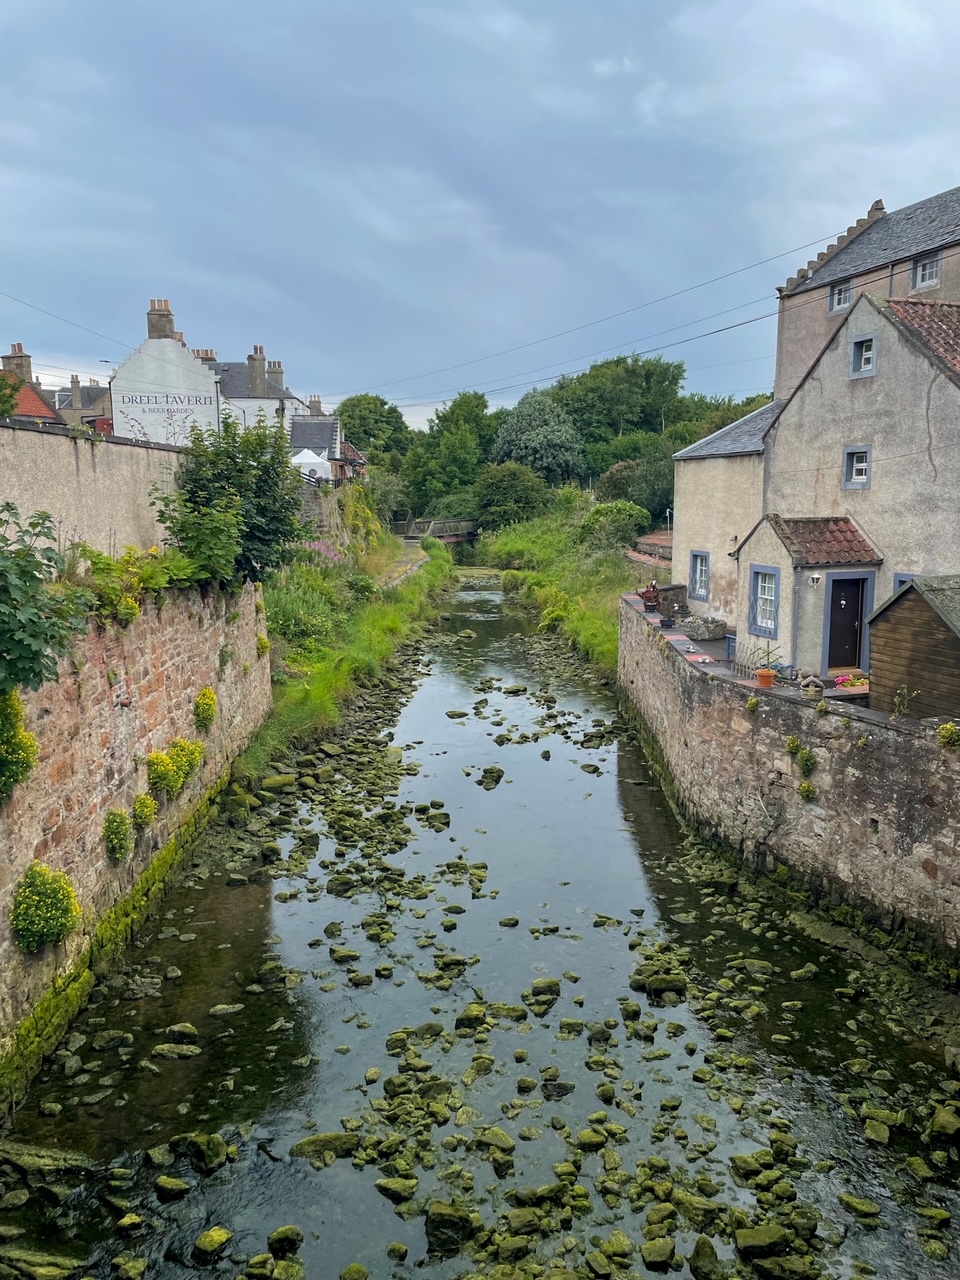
(74, 433)
(864, 715)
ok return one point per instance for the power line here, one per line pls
(602, 320)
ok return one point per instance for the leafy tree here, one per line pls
(9, 394)
(459, 505)
(447, 456)
(38, 617)
(646, 480)
(387, 492)
(622, 396)
(539, 434)
(507, 493)
(236, 486)
(376, 427)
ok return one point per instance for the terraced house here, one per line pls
(796, 521)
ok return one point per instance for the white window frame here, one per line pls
(700, 585)
(841, 295)
(863, 355)
(766, 600)
(931, 261)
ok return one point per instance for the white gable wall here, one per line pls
(160, 391)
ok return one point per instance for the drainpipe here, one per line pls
(797, 579)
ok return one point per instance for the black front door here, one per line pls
(846, 618)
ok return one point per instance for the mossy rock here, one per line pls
(319, 1144)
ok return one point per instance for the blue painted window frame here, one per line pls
(692, 591)
(755, 629)
(856, 342)
(846, 473)
(901, 579)
(869, 593)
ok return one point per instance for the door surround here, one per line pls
(869, 577)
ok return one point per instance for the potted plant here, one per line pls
(767, 671)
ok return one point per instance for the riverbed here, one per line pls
(462, 954)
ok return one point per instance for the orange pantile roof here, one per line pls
(31, 404)
(935, 324)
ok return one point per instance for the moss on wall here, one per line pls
(41, 1032)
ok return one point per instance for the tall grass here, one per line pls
(327, 678)
(577, 589)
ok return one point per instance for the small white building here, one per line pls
(313, 465)
(162, 389)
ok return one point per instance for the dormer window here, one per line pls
(841, 295)
(926, 271)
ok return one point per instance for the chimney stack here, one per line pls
(316, 408)
(257, 367)
(206, 354)
(160, 319)
(18, 363)
(75, 400)
(275, 372)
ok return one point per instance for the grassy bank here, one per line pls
(576, 585)
(334, 631)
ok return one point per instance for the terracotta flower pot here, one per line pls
(765, 677)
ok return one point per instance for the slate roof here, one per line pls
(31, 405)
(746, 435)
(904, 233)
(935, 324)
(942, 593)
(235, 381)
(90, 397)
(316, 434)
(824, 540)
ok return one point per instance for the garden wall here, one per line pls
(123, 694)
(883, 831)
(97, 490)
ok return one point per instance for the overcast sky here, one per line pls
(376, 190)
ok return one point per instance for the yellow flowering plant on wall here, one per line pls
(205, 709)
(45, 907)
(18, 748)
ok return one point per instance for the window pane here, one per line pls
(866, 354)
(859, 471)
(766, 600)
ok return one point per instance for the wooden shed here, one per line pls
(915, 649)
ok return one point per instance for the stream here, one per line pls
(520, 995)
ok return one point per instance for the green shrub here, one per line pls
(949, 735)
(822, 707)
(263, 645)
(45, 907)
(118, 834)
(187, 756)
(18, 748)
(753, 705)
(145, 811)
(204, 709)
(806, 761)
(613, 524)
(807, 791)
(793, 745)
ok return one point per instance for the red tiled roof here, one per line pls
(824, 540)
(936, 324)
(31, 404)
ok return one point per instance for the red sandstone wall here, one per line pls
(123, 694)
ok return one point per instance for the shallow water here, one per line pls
(562, 847)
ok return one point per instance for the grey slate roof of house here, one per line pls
(919, 228)
(314, 433)
(235, 380)
(90, 397)
(942, 593)
(746, 435)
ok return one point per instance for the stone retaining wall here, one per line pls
(881, 833)
(122, 694)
